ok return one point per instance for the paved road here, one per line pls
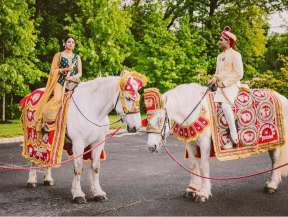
(140, 183)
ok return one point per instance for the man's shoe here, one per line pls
(233, 141)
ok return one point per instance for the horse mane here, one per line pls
(182, 99)
(97, 82)
(193, 87)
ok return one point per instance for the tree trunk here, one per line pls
(38, 8)
(213, 4)
(3, 107)
(3, 94)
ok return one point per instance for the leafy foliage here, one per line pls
(171, 41)
(103, 34)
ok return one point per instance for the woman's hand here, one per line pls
(212, 81)
(65, 71)
(69, 78)
(73, 78)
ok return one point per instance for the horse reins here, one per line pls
(98, 125)
(196, 106)
(221, 178)
(162, 132)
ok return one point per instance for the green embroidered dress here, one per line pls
(64, 63)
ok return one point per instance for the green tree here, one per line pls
(277, 45)
(167, 56)
(17, 60)
(194, 62)
(250, 26)
(49, 17)
(156, 47)
(276, 80)
(104, 38)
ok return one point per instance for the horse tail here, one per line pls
(284, 149)
(284, 159)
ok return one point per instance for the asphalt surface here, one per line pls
(140, 183)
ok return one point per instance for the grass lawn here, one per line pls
(11, 129)
(14, 127)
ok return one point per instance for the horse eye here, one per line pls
(128, 98)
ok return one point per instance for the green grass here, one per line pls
(14, 128)
(11, 129)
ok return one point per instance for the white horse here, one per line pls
(178, 104)
(95, 99)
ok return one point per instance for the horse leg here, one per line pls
(48, 180)
(279, 156)
(273, 182)
(98, 193)
(205, 146)
(32, 179)
(195, 181)
(77, 193)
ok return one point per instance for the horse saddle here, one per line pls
(259, 122)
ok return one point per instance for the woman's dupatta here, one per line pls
(52, 81)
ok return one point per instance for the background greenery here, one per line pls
(14, 127)
(170, 41)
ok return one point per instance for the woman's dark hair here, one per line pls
(67, 37)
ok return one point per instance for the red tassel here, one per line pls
(186, 154)
(144, 122)
(103, 155)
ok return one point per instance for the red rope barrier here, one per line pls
(221, 178)
(14, 167)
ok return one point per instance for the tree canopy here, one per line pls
(170, 41)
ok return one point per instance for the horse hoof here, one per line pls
(31, 185)
(269, 190)
(79, 200)
(189, 194)
(100, 198)
(48, 183)
(200, 199)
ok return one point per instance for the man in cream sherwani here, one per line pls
(229, 72)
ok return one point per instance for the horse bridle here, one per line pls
(104, 125)
(125, 113)
(167, 121)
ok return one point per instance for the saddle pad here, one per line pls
(43, 149)
(259, 122)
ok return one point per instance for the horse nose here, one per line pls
(131, 130)
(152, 148)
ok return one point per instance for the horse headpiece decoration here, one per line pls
(130, 83)
(154, 105)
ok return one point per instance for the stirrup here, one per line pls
(233, 143)
(45, 128)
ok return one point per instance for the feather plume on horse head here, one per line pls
(125, 82)
(153, 99)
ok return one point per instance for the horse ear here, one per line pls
(123, 72)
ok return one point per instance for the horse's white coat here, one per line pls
(179, 103)
(96, 99)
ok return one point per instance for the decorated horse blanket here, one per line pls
(259, 122)
(43, 148)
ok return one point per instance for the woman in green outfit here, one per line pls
(66, 70)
